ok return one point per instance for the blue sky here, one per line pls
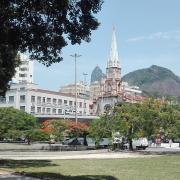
(148, 32)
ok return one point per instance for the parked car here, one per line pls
(141, 143)
(73, 141)
(104, 143)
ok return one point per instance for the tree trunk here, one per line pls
(29, 141)
(85, 140)
(130, 138)
(130, 145)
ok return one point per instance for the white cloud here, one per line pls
(172, 35)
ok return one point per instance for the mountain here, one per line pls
(155, 80)
(96, 74)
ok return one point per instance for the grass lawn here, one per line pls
(154, 168)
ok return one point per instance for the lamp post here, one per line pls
(75, 56)
(84, 74)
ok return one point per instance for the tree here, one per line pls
(128, 120)
(54, 128)
(101, 128)
(78, 129)
(8, 62)
(149, 119)
(42, 28)
(59, 128)
(16, 124)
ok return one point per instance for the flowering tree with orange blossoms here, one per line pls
(78, 130)
(61, 128)
(54, 128)
(46, 127)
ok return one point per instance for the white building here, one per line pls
(95, 90)
(27, 97)
(82, 89)
(131, 90)
(24, 73)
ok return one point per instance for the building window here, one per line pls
(24, 63)
(11, 99)
(109, 88)
(32, 99)
(59, 111)
(24, 69)
(22, 75)
(38, 99)
(70, 103)
(22, 89)
(54, 101)
(22, 108)
(48, 100)
(32, 109)
(22, 98)
(38, 109)
(84, 105)
(65, 101)
(44, 99)
(48, 110)
(80, 104)
(54, 111)
(43, 110)
(59, 101)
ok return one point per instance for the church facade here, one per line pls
(111, 85)
(112, 89)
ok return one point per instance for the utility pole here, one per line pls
(84, 74)
(75, 56)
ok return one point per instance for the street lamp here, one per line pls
(75, 56)
(84, 74)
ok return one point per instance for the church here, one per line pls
(112, 89)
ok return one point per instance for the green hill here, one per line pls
(155, 80)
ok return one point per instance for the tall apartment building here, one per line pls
(24, 73)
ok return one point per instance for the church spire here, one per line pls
(113, 60)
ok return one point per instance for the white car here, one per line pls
(141, 143)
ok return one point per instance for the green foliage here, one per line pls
(16, 124)
(42, 28)
(59, 128)
(9, 60)
(101, 128)
(149, 119)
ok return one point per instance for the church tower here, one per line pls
(113, 70)
(111, 91)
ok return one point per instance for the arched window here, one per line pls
(109, 87)
(119, 86)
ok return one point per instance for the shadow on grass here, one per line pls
(55, 176)
(24, 163)
(13, 164)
